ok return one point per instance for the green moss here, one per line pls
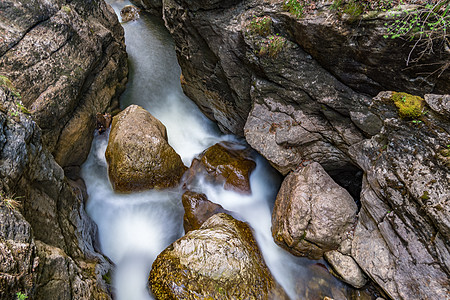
(409, 106)
(261, 25)
(107, 277)
(354, 9)
(66, 9)
(7, 84)
(425, 196)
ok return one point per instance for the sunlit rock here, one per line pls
(198, 209)
(225, 162)
(221, 260)
(138, 154)
(312, 213)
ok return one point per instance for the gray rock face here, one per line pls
(401, 240)
(221, 260)
(18, 259)
(51, 207)
(67, 59)
(346, 268)
(312, 214)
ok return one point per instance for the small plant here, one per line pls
(21, 296)
(66, 9)
(409, 106)
(295, 7)
(13, 113)
(261, 25)
(273, 46)
(10, 202)
(7, 84)
(22, 108)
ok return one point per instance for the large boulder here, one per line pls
(42, 212)
(312, 213)
(67, 60)
(198, 209)
(138, 154)
(228, 163)
(221, 260)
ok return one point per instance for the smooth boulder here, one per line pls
(221, 260)
(138, 154)
(312, 213)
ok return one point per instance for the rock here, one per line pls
(401, 240)
(439, 103)
(129, 13)
(29, 173)
(67, 60)
(154, 7)
(221, 260)
(225, 162)
(346, 268)
(198, 209)
(18, 259)
(312, 214)
(103, 122)
(138, 154)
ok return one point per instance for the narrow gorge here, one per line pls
(258, 149)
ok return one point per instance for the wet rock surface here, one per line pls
(129, 13)
(198, 209)
(225, 162)
(220, 261)
(138, 154)
(312, 214)
(67, 60)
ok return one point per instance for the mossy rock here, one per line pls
(409, 107)
(221, 260)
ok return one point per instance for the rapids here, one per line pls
(134, 228)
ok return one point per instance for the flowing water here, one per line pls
(135, 228)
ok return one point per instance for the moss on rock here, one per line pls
(409, 106)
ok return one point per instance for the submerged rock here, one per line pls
(312, 213)
(198, 209)
(138, 154)
(225, 162)
(129, 13)
(221, 260)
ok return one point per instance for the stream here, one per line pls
(134, 228)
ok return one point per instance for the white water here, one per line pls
(135, 228)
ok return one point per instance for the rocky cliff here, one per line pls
(67, 60)
(301, 89)
(61, 62)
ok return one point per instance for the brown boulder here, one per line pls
(197, 209)
(225, 162)
(138, 154)
(129, 13)
(221, 260)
